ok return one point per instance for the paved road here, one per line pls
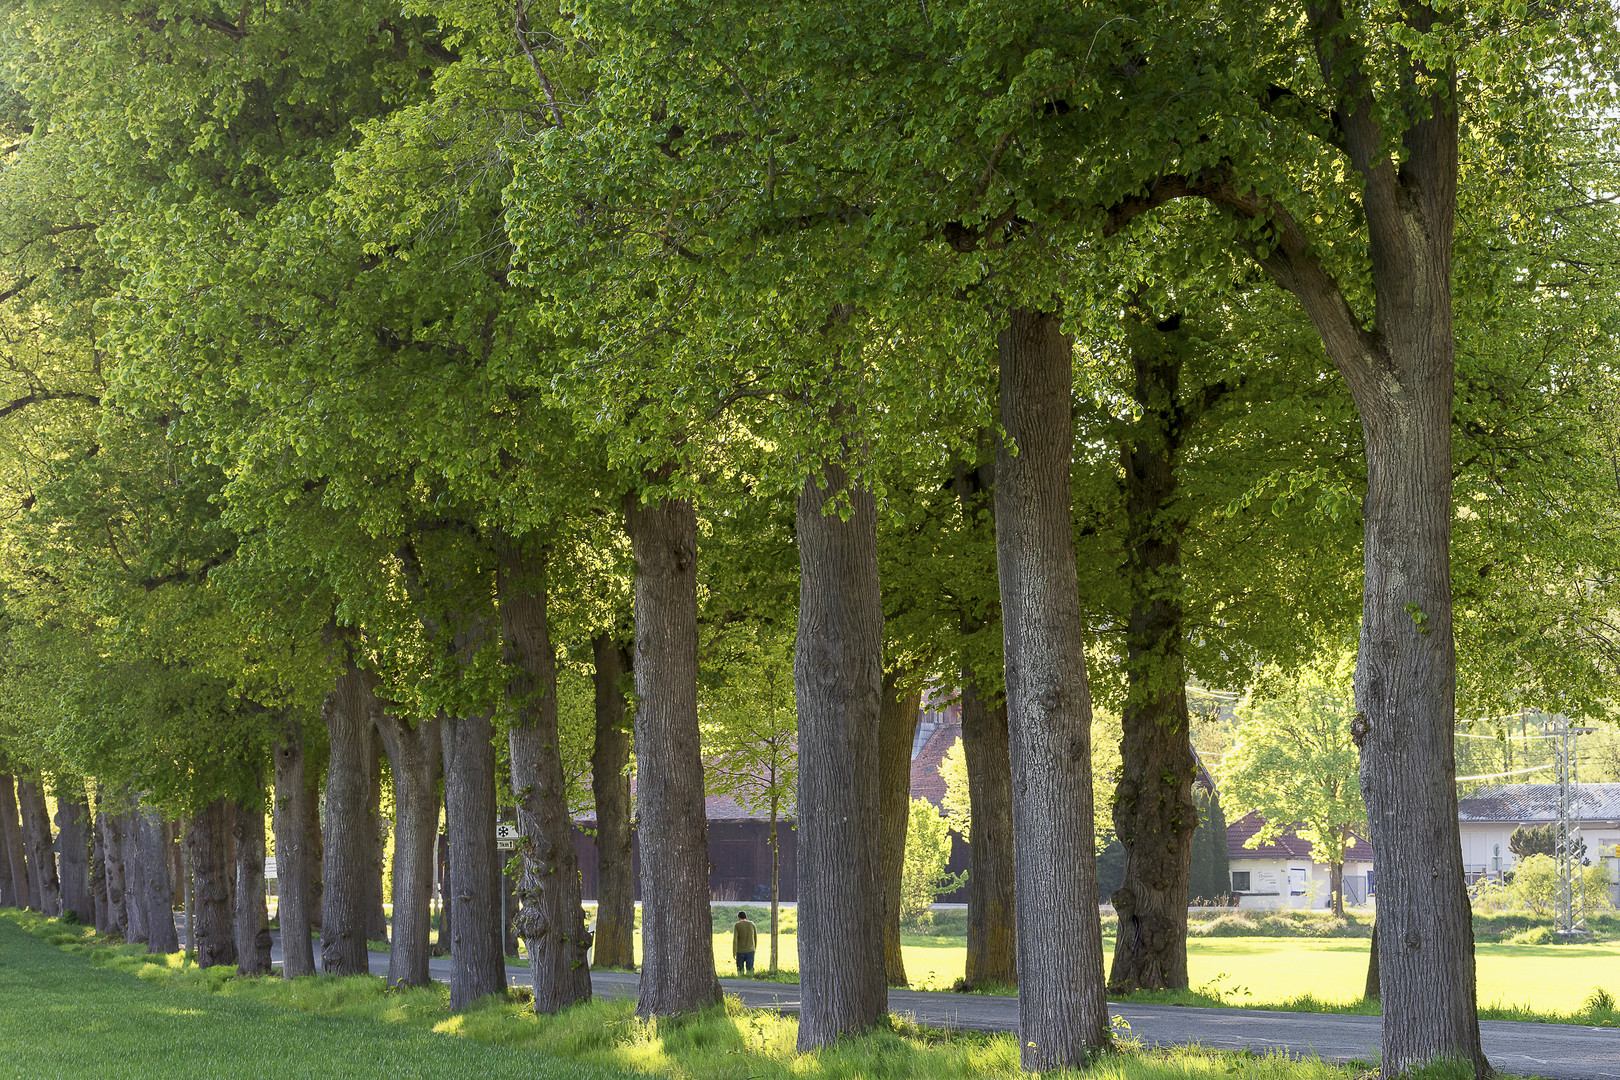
(1555, 1051)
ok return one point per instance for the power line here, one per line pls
(1499, 775)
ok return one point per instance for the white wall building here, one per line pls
(1283, 874)
(1488, 817)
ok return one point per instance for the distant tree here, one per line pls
(1528, 840)
(1211, 874)
(928, 850)
(1293, 761)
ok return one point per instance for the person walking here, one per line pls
(744, 937)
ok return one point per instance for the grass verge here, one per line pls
(83, 1016)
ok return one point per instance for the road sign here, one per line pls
(506, 836)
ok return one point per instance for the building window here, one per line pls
(1296, 880)
(1240, 881)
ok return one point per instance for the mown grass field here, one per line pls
(76, 1008)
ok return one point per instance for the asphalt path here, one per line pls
(1555, 1051)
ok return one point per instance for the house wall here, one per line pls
(1485, 845)
(739, 861)
(1272, 886)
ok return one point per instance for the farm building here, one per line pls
(1284, 874)
(1488, 817)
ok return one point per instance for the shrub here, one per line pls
(1595, 887)
(928, 849)
(1535, 883)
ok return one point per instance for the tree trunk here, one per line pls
(8, 891)
(1062, 1006)
(1336, 883)
(776, 888)
(314, 841)
(293, 860)
(677, 970)
(135, 909)
(896, 730)
(477, 967)
(251, 900)
(73, 829)
(178, 880)
(413, 760)
(15, 871)
(992, 944)
(44, 885)
(441, 855)
(376, 917)
(552, 921)
(346, 836)
(1373, 990)
(1155, 817)
(113, 903)
(210, 868)
(838, 675)
(157, 891)
(610, 788)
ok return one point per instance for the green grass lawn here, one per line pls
(1256, 972)
(76, 1007)
(67, 1018)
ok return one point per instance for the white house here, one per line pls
(1283, 874)
(1488, 817)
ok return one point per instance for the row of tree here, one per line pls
(368, 361)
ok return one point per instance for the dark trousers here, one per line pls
(745, 962)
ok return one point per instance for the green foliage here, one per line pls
(1210, 880)
(928, 850)
(1535, 883)
(1293, 761)
(1529, 840)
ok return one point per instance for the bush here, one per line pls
(1595, 887)
(1535, 883)
(928, 849)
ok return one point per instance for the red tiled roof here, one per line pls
(1287, 845)
(926, 783)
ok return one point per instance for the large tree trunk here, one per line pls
(346, 836)
(610, 789)
(413, 760)
(251, 900)
(377, 832)
(1154, 813)
(314, 841)
(210, 870)
(1401, 371)
(838, 675)
(98, 878)
(293, 861)
(552, 922)
(992, 944)
(1373, 989)
(897, 728)
(15, 870)
(44, 885)
(677, 970)
(1062, 1006)
(112, 845)
(157, 885)
(73, 829)
(135, 908)
(477, 966)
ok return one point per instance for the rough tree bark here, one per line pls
(73, 829)
(251, 899)
(376, 917)
(1062, 1006)
(610, 788)
(157, 885)
(314, 842)
(210, 869)
(838, 678)
(1401, 373)
(992, 945)
(293, 861)
(897, 728)
(552, 922)
(345, 837)
(134, 878)
(15, 871)
(413, 760)
(477, 966)
(112, 846)
(44, 887)
(677, 971)
(1154, 813)
(98, 877)
(1373, 988)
